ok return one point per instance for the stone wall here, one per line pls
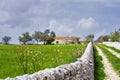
(113, 44)
(82, 69)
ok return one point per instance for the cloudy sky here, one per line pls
(65, 17)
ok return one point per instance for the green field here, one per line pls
(17, 60)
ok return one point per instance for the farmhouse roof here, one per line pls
(64, 37)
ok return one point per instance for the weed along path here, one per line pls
(111, 74)
(113, 52)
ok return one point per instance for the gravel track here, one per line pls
(113, 52)
(111, 74)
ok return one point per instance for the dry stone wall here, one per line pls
(113, 44)
(82, 69)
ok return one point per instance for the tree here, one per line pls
(75, 40)
(103, 38)
(47, 37)
(25, 38)
(6, 39)
(47, 31)
(89, 38)
(52, 34)
(115, 36)
(37, 36)
(44, 37)
(51, 37)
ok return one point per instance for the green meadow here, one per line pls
(17, 60)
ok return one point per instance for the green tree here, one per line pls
(25, 38)
(47, 31)
(103, 38)
(44, 37)
(89, 38)
(6, 39)
(51, 37)
(37, 36)
(115, 36)
(75, 40)
(47, 37)
(52, 34)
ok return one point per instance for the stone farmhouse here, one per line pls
(66, 40)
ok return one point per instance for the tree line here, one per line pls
(47, 37)
(113, 37)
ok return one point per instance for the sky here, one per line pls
(65, 17)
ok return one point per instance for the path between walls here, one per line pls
(111, 74)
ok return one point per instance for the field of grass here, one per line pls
(112, 59)
(16, 60)
(99, 73)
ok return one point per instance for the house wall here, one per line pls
(59, 42)
(62, 41)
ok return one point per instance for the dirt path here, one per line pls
(111, 74)
(113, 52)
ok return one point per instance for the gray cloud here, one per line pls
(87, 23)
(4, 17)
(60, 28)
(70, 27)
(17, 5)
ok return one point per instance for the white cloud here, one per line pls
(60, 28)
(87, 23)
(73, 27)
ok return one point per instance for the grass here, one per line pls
(112, 59)
(99, 73)
(116, 50)
(48, 56)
